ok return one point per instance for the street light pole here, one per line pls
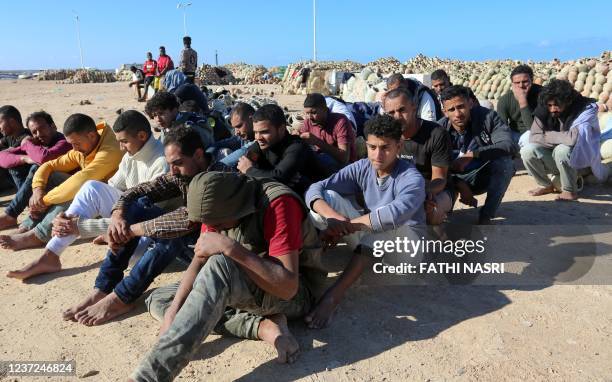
(314, 30)
(184, 7)
(79, 37)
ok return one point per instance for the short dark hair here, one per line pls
(455, 91)
(80, 124)
(561, 91)
(383, 126)
(242, 110)
(133, 68)
(190, 106)
(162, 101)
(132, 121)
(162, 47)
(40, 115)
(185, 138)
(271, 113)
(398, 92)
(187, 40)
(315, 100)
(522, 69)
(440, 75)
(11, 112)
(394, 79)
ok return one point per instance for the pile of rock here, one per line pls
(80, 76)
(320, 77)
(124, 75)
(246, 74)
(215, 75)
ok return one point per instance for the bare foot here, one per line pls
(22, 230)
(47, 263)
(103, 311)
(542, 191)
(7, 221)
(20, 241)
(274, 330)
(321, 315)
(100, 240)
(94, 297)
(567, 196)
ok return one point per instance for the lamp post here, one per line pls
(184, 6)
(314, 30)
(78, 28)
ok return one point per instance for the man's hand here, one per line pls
(26, 159)
(167, 321)
(430, 205)
(64, 225)
(37, 205)
(212, 243)
(460, 164)
(337, 228)
(118, 230)
(310, 138)
(244, 164)
(520, 95)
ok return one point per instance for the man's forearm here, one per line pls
(339, 155)
(321, 207)
(269, 275)
(186, 284)
(437, 185)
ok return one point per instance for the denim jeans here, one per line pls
(155, 259)
(219, 284)
(493, 177)
(24, 192)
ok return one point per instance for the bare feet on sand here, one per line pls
(20, 241)
(94, 297)
(321, 315)
(541, 191)
(47, 263)
(274, 330)
(103, 311)
(567, 196)
(7, 221)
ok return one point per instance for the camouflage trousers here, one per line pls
(223, 299)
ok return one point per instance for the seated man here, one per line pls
(143, 161)
(563, 133)
(428, 146)
(517, 106)
(137, 80)
(255, 240)
(428, 108)
(163, 107)
(45, 144)
(229, 150)
(12, 133)
(482, 150)
(133, 216)
(330, 133)
(95, 155)
(440, 81)
(279, 155)
(394, 194)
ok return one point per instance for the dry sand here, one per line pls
(458, 333)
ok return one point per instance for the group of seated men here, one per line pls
(252, 213)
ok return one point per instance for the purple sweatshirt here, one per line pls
(399, 201)
(40, 154)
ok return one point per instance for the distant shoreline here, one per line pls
(13, 74)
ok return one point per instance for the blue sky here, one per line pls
(42, 34)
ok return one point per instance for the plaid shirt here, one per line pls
(164, 187)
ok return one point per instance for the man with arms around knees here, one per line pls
(330, 133)
(143, 161)
(428, 146)
(45, 144)
(251, 255)
(95, 155)
(482, 150)
(135, 215)
(279, 155)
(394, 194)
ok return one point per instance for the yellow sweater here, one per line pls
(100, 165)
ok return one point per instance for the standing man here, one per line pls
(516, 108)
(150, 71)
(189, 60)
(482, 150)
(164, 64)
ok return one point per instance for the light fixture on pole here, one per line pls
(79, 37)
(184, 6)
(314, 30)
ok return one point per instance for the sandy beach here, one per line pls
(447, 333)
